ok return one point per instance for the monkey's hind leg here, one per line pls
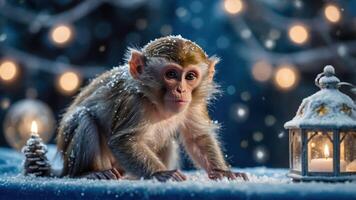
(84, 157)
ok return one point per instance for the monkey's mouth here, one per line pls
(179, 101)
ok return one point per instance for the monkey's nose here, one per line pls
(180, 90)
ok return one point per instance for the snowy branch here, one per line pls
(241, 26)
(302, 57)
(38, 20)
(282, 22)
(37, 63)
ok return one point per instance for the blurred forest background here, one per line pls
(271, 52)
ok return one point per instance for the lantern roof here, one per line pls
(328, 108)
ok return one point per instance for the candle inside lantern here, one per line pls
(34, 128)
(325, 164)
(322, 164)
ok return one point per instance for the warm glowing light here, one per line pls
(68, 82)
(326, 151)
(262, 71)
(298, 34)
(332, 13)
(61, 34)
(34, 128)
(286, 77)
(233, 6)
(8, 71)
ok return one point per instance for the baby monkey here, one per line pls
(127, 121)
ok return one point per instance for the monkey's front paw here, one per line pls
(174, 175)
(217, 174)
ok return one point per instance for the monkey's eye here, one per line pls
(171, 74)
(191, 76)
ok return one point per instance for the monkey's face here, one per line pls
(179, 83)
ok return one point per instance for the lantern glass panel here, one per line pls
(296, 143)
(348, 151)
(320, 151)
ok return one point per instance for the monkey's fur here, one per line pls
(116, 122)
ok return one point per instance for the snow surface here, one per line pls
(264, 183)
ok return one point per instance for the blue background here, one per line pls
(115, 26)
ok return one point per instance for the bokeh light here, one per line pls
(240, 112)
(231, 89)
(298, 4)
(5, 103)
(298, 34)
(332, 13)
(257, 136)
(141, 24)
(233, 6)
(286, 77)
(269, 43)
(61, 34)
(262, 71)
(342, 50)
(281, 134)
(8, 71)
(245, 96)
(270, 120)
(166, 30)
(245, 33)
(260, 154)
(244, 144)
(31, 93)
(68, 82)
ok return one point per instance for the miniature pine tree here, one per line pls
(36, 162)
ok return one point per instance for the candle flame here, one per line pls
(326, 151)
(34, 128)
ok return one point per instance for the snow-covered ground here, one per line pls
(264, 183)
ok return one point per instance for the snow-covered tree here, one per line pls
(36, 162)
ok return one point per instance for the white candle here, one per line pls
(325, 165)
(321, 165)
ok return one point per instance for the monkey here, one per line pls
(129, 121)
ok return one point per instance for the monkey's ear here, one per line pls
(136, 63)
(211, 68)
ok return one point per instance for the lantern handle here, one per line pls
(317, 79)
(353, 87)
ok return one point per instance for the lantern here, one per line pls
(322, 135)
